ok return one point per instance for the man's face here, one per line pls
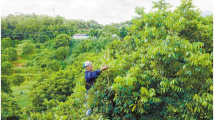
(89, 68)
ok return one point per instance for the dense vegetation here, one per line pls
(160, 66)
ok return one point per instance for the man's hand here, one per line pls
(104, 68)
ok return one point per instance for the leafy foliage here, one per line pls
(53, 65)
(5, 58)
(6, 68)
(9, 108)
(62, 52)
(155, 73)
(42, 39)
(5, 84)
(161, 69)
(123, 32)
(11, 53)
(62, 40)
(6, 43)
(51, 90)
(18, 79)
(27, 48)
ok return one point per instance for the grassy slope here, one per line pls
(18, 67)
(22, 99)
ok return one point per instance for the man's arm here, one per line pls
(94, 74)
(104, 68)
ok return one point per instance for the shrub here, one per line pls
(11, 52)
(6, 68)
(62, 40)
(6, 43)
(9, 108)
(53, 65)
(18, 79)
(5, 84)
(62, 52)
(42, 39)
(5, 58)
(37, 45)
(27, 48)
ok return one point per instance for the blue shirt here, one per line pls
(90, 78)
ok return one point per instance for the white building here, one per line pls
(80, 36)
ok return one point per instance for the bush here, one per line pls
(6, 43)
(11, 52)
(53, 89)
(53, 65)
(37, 45)
(9, 108)
(37, 60)
(18, 79)
(62, 52)
(30, 63)
(15, 42)
(27, 48)
(5, 58)
(62, 40)
(6, 68)
(42, 39)
(5, 84)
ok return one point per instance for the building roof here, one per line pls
(80, 35)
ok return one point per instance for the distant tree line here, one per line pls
(43, 27)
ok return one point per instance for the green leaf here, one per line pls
(134, 108)
(144, 100)
(144, 91)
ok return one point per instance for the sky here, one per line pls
(102, 11)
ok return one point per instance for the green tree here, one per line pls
(4, 58)
(48, 21)
(155, 73)
(11, 21)
(9, 108)
(111, 29)
(42, 38)
(32, 26)
(62, 52)
(62, 40)
(152, 71)
(6, 68)
(99, 33)
(4, 26)
(54, 89)
(193, 26)
(11, 52)
(5, 84)
(6, 43)
(15, 42)
(123, 32)
(18, 79)
(27, 48)
(59, 20)
(20, 28)
(92, 32)
(53, 65)
(161, 5)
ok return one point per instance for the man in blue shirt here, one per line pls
(90, 77)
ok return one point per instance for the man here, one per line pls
(90, 77)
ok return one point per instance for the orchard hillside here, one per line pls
(161, 66)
